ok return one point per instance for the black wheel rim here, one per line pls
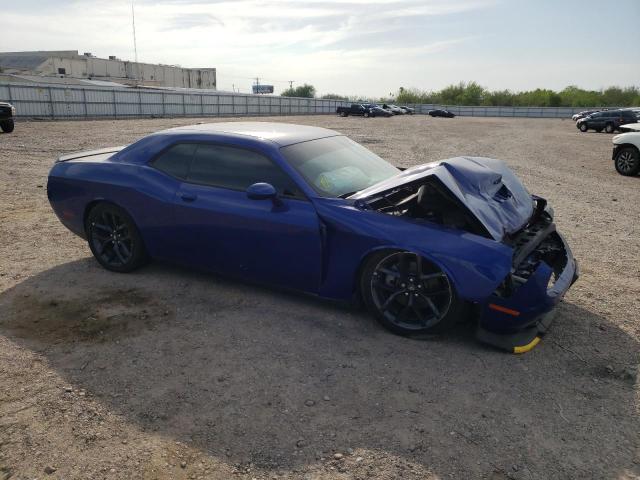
(626, 161)
(111, 239)
(410, 292)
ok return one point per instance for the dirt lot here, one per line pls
(169, 373)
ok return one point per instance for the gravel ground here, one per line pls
(169, 373)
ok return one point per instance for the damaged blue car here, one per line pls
(308, 209)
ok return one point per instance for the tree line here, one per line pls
(473, 94)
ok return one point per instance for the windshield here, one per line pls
(337, 166)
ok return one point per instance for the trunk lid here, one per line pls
(487, 187)
(91, 155)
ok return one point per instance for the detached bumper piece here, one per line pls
(521, 310)
(519, 342)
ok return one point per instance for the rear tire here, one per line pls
(609, 128)
(343, 114)
(408, 294)
(7, 126)
(627, 162)
(114, 238)
(583, 127)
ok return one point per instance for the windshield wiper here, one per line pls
(348, 194)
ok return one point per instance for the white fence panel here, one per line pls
(55, 101)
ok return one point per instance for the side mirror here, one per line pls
(263, 191)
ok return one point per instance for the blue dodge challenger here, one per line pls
(307, 208)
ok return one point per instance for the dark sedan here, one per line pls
(7, 112)
(378, 111)
(441, 113)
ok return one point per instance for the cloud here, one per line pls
(320, 42)
(190, 20)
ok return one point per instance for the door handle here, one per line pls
(188, 197)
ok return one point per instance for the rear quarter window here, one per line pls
(176, 160)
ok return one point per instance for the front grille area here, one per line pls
(550, 251)
(535, 243)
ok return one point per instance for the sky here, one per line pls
(351, 47)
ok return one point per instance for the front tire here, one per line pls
(366, 115)
(609, 128)
(583, 127)
(408, 294)
(627, 161)
(114, 238)
(7, 126)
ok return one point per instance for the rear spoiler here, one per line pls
(89, 153)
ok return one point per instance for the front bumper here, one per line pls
(515, 322)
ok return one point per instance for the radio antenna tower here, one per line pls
(135, 44)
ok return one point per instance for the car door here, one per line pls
(597, 120)
(221, 229)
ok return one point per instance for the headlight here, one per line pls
(13, 110)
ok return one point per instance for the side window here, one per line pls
(237, 169)
(175, 161)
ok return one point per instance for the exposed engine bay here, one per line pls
(428, 200)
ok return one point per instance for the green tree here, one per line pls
(334, 96)
(304, 91)
(471, 93)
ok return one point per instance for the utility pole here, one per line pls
(135, 45)
(291, 84)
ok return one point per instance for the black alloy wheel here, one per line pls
(114, 239)
(408, 294)
(627, 162)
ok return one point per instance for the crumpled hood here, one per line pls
(487, 187)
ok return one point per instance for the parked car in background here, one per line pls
(377, 110)
(422, 247)
(408, 110)
(393, 109)
(580, 115)
(626, 151)
(7, 112)
(609, 120)
(354, 109)
(441, 113)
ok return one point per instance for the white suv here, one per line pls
(626, 150)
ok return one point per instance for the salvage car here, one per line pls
(354, 109)
(7, 112)
(626, 151)
(393, 109)
(377, 110)
(407, 110)
(306, 208)
(609, 121)
(441, 113)
(577, 116)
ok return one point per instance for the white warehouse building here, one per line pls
(70, 64)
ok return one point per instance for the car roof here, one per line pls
(282, 134)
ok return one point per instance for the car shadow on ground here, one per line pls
(277, 379)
